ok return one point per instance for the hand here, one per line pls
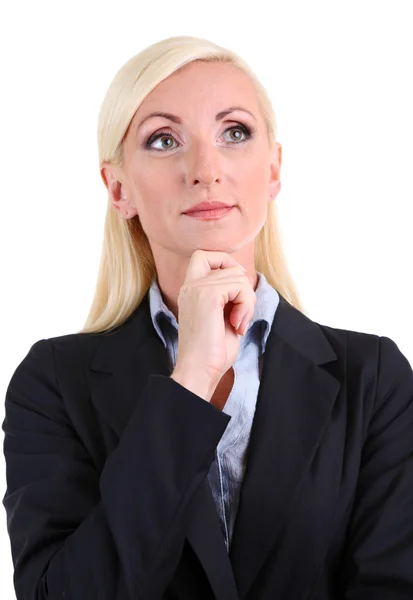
(216, 296)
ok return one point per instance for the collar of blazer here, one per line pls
(295, 401)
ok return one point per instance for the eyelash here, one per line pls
(246, 130)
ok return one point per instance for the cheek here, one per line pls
(254, 181)
(149, 192)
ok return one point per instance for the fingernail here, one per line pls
(244, 328)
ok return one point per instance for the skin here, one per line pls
(201, 161)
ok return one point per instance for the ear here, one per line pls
(275, 168)
(112, 178)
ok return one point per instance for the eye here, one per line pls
(239, 129)
(159, 136)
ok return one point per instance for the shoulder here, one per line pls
(39, 360)
(359, 347)
(373, 363)
(72, 342)
(350, 348)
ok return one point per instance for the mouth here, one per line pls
(211, 214)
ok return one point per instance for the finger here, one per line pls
(224, 290)
(243, 306)
(243, 299)
(229, 272)
(202, 262)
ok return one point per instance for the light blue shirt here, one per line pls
(228, 469)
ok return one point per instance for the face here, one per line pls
(170, 165)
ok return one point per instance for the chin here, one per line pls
(228, 248)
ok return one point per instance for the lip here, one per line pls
(207, 206)
(207, 215)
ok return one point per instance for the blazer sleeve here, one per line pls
(77, 534)
(379, 557)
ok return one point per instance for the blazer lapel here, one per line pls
(118, 373)
(294, 404)
(205, 536)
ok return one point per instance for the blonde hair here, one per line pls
(127, 266)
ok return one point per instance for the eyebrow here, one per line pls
(178, 120)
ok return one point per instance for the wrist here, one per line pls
(202, 386)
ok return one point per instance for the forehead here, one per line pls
(201, 86)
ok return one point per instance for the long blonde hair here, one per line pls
(127, 266)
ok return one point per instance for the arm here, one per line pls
(79, 534)
(378, 563)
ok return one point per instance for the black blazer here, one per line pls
(107, 462)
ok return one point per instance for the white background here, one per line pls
(340, 77)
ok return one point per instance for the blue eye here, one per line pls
(165, 134)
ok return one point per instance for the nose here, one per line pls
(204, 165)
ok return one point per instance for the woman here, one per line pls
(257, 454)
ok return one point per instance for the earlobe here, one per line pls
(275, 188)
(123, 206)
